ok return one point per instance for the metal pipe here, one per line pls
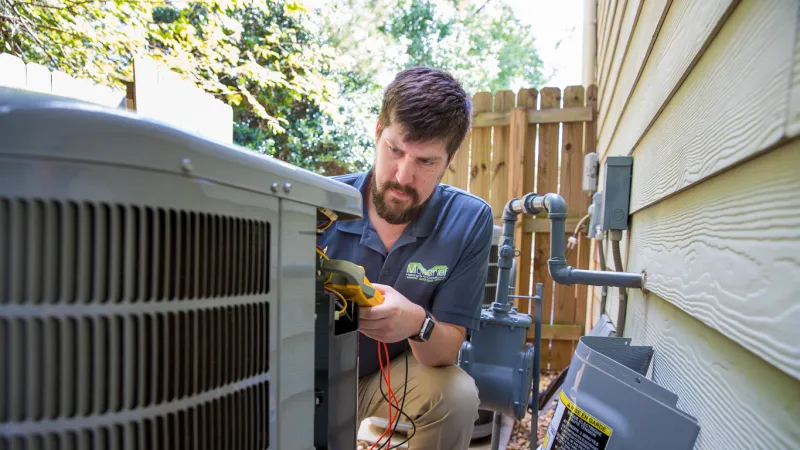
(623, 295)
(497, 425)
(568, 275)
(505, 254)
(604, 292)
(537, 345)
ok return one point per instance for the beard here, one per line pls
(392, 210)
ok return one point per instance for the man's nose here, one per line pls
(405, 172)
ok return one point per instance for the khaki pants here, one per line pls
(442, 402)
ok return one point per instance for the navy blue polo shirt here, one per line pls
(440, 261)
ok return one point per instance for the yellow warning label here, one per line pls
(572, 428)
(585, 416)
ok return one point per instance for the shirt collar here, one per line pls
(422, 226)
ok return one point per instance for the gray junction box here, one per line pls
(616, 192)
(608, 403)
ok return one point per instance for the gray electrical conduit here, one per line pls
(556, 208)
(622, 308)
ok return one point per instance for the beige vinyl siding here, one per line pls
(793, 117)
(616, 93)
(727, 252)
(686, 31)
(706, 98)
(731, 106)
(740, 401)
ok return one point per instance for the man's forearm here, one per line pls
(443, 346)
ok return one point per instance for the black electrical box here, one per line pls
(616, 192)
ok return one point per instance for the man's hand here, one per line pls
(398, 318)
(395, 319)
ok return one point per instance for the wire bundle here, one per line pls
(386, 376)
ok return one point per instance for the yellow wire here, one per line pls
(324, 256)
(341, 297)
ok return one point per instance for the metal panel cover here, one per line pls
(48, 126)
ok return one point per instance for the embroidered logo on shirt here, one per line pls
(417, 271)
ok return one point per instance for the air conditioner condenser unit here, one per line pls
(157, 289)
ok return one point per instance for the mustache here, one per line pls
(404, 189)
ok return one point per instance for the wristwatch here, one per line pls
(426, 330)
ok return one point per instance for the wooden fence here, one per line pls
(535, 142)
(15, 73)
(156, 92)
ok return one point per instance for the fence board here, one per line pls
(577, 114)
(12, 71)
(37, 78)
(15, 73)
(481, 150)
(521, 183)
(564, 304)
(162, 94)
(498, 187)
(547, 181)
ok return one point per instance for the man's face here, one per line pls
(405, 174)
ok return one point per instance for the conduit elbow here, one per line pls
(556, 206)
(509, 214)
(560, 271)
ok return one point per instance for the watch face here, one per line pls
(427, 328)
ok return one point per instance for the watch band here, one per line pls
(426, 329)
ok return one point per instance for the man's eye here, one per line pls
(426, 162)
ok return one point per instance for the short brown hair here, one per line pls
(428, 104)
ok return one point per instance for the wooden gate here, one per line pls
(535, 142)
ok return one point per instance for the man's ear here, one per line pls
(378, 129)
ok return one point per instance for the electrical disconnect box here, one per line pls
(608, 403)
(616, 193)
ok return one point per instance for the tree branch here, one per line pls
(481, 8)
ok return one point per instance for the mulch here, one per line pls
(521, 433)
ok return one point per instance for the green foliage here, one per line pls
(486, 47)
(305, 86)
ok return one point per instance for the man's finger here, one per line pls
(372, 335)
(375, 312)
(380, 287)
(373, 325)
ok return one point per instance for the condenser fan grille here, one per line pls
(68, 252)
(132, 327)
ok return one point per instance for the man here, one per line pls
(425, 246)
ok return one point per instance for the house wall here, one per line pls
(705, 95)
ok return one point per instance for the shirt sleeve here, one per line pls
(459, 298)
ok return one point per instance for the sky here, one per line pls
(553, 21)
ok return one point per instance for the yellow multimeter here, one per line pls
(351, 281)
